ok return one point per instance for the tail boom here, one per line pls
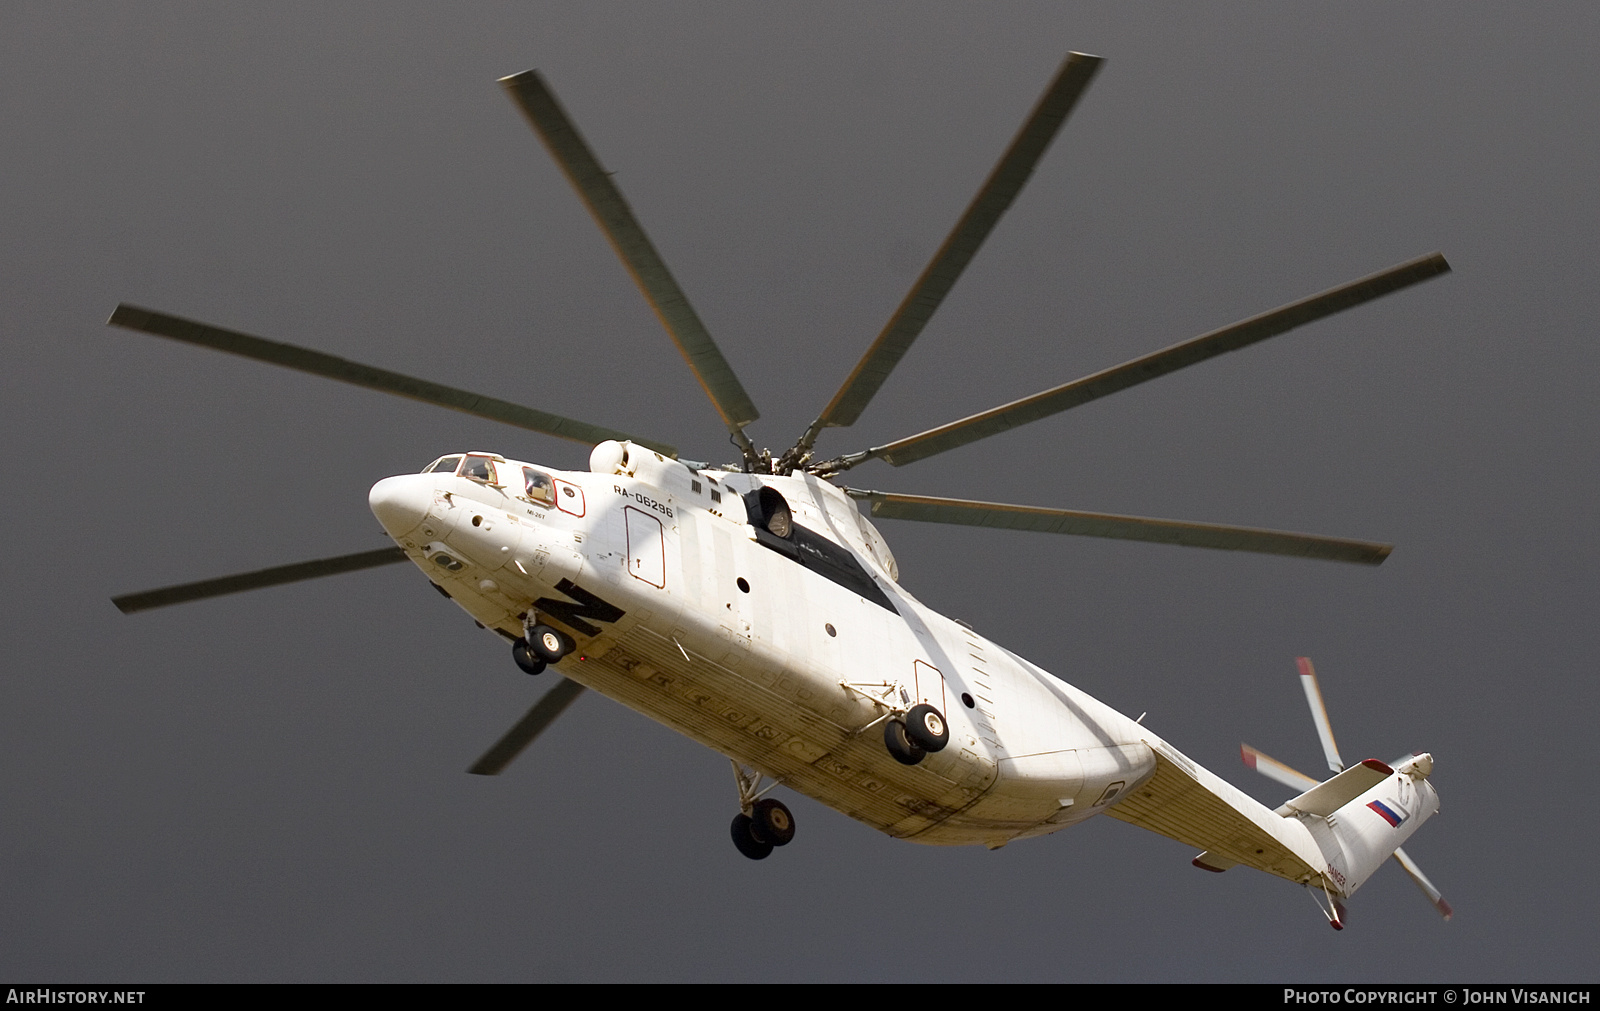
(1331, 838)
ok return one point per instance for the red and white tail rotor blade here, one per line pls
(1319, 713)
(1273, 769)
(1423, 883)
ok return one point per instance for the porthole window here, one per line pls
(831, 630)
(744, 587)
(966, 700)
(540, 487)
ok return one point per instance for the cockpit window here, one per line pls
(540, 487)
(443, 465)
(479, 468)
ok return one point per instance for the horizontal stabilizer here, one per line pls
(1193, 805)
(1326, 798)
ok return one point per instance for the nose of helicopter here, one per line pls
(400, 503)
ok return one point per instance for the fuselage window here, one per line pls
(479, 468)
(540, 487)
(443, 465)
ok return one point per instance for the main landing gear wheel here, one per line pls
(547, 644)
(771, 822)
(927, 729)
(901, 747)
(525, 659)
(745, 841)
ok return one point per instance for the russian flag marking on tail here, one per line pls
(1388, 814)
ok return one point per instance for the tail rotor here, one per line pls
(1414, 768)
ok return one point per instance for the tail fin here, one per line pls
(1371, 825)
(1361, 816)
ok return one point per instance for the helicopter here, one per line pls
(755, 607)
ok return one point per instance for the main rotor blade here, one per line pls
(611, 212)
(1131, 528)
(1273, 769)
(1151, 366)
(1422, 882)
(1319, 713)
(276, 576)
(530, 726)
(992, 200)
(329, 366)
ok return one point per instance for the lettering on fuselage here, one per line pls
(644, 500)
(572, 614)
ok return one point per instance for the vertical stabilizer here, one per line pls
(1358, 819)
(1364, 832)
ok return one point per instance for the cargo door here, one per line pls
(647, 553)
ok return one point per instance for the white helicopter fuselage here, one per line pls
(754, 608)
(681, 613)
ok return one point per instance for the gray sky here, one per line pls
(271, 787)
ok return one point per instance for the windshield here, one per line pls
(479, 468)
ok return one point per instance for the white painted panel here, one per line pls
(690, 562)
(726, 600)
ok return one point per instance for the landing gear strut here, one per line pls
(762, 822)
(910, 732)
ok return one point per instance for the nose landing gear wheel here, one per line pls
(525, 659)
(771, 822)
(901, 747)
(547, 644)
(745, 842)
(926, 727)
